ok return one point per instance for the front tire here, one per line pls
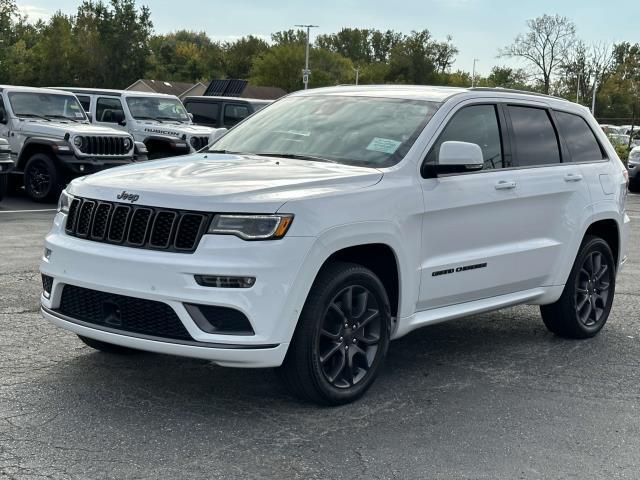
(107, 347)
(583, 308)
(342, 336)
(41, 179)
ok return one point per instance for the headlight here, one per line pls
(64, 202)
(127, 144)
(195, 142)
(77, 142)
(252, 227)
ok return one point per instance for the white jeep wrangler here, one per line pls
(338, 219)
(159, 121)
(52, 140)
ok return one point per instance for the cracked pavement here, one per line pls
(489, 396)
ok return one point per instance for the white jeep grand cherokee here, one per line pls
(338, 219)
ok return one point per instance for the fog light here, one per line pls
(82, 168)
(47, 283)
(225, 282)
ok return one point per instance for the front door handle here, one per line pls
(505, 185)
(572, 177)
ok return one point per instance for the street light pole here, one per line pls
(473, 75)
(306, 72)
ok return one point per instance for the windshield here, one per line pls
(366, 131)
(46, 105)
(158, 108)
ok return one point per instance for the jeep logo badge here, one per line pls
(130, 197)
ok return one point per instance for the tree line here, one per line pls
(112, 44)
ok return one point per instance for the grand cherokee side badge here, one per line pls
(128, 197)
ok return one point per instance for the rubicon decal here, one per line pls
(464, 268)
(128, 197)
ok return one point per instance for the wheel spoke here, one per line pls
(332, 377)
(361, 305)
(347, 303)
(589, 265)
(582, 302)
(373, 314)
(332, 336)
(597, 263)
(324, 358)
(604, 269)
(368, 340)
(336, 308)
(349, 377)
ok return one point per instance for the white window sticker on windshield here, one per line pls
(79, 115)
(384, 145)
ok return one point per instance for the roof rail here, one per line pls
(515, 90)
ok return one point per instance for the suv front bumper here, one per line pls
(272, 305)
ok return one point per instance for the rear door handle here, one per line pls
(572, 177)
(505, 185)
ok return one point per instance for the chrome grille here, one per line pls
(136, 226)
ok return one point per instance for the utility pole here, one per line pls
(593, 101)
(473, 73)
(306, 72)
(357, 70)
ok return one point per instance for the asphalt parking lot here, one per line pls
(490, 396)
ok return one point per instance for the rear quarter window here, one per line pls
(582, 143)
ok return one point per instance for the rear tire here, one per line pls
(42, 181)
(341, 338)
(107, 347)
(583, 308)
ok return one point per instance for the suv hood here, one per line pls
(59, 129)
(224, 183)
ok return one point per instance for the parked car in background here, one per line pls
(338, 219)
(633, 167)
(222, 112)
(52, 140)
(159, 121)
(5, 165)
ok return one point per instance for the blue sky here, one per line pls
(478, 27)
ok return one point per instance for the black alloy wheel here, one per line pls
(593, 284)
(41, 179)
(584, 306)
(341, 338)
(350, 336)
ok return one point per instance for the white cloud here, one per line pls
(34, 13)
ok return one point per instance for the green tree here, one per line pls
(281, 66)
(507, 77)
(239, 55)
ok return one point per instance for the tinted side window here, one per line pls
(580, 139)
(234, 114)
(85, 102)
(536, 142)
(109, 110)
(204, 113)
(475, 124)
(3, 112)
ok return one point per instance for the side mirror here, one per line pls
(122, 123)
(456, 157)
(217, 134)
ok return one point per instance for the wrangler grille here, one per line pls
(94, 145)
(136, 226)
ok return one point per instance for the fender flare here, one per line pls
(51, 143)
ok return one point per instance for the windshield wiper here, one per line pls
(227, 151)
(296, 156)
(32, 115)
(62, 116)
(149, 118)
